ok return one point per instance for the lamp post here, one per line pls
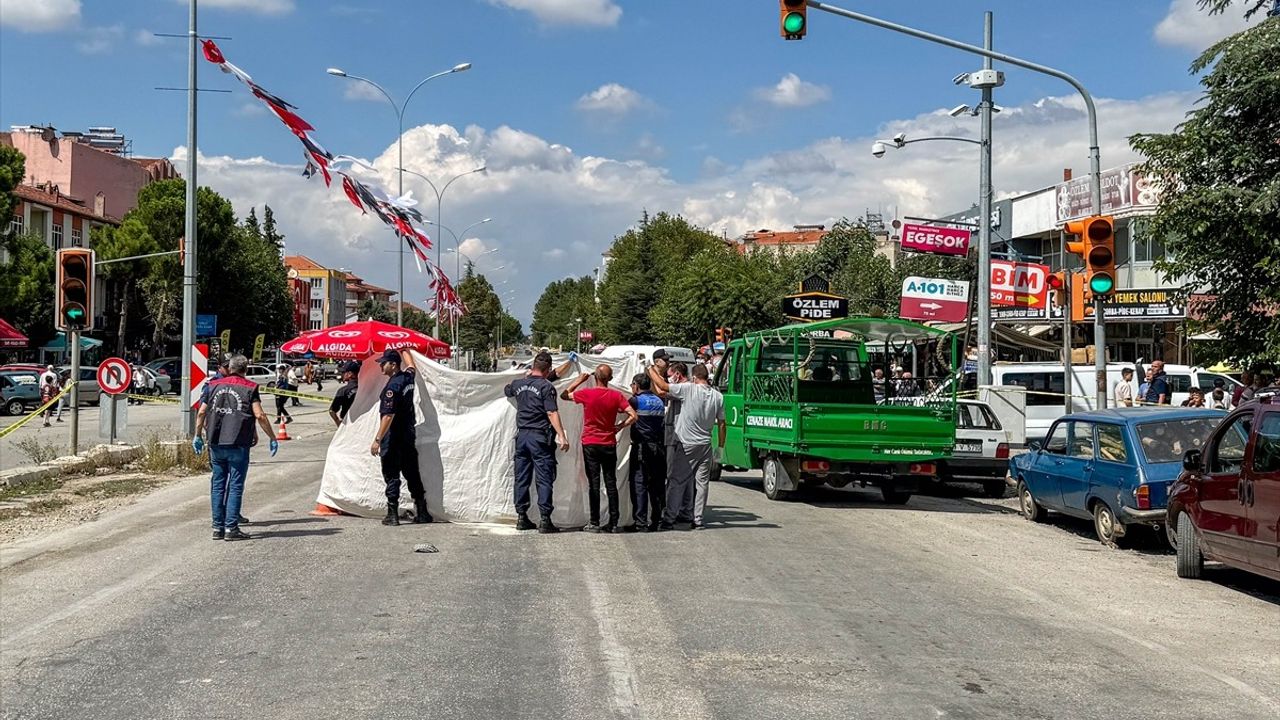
(338, 72)
(579, 321)
(439, 208)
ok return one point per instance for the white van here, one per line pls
(620, 352)
(1043, 409)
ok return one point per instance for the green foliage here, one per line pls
(478, 328)
(371, 309)
(26, 287)
(555, 317)
(1220, 209)
(415, 319)
(13, 167)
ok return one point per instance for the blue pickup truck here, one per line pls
(19, 390)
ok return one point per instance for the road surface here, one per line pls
(836, 607)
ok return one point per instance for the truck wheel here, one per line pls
(994, 489)
(894, 496)
(1190, 557)
(772, 470)
(1106, 526)
(1031, 509)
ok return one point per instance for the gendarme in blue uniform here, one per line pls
(397, 449)
(535, 441)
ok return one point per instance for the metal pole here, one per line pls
(400, 193)
(439, 210)
(111, 439)
(74, 338)
(189, 267)
(984, 223)
(1068, 372)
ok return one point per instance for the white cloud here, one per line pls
(39, 15)
(95, 41)
(264, 7)
(555, 210)
(250, 108)
(146, 38)
(1187, 26)
(603, 13)
(792, 92)
(357, 90)
(612, 99)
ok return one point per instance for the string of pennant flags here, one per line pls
(400, 214)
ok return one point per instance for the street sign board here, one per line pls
(1015, 284)
(1143, 304)
(199, 371)
(934, 299)
(937, 240)
(814, 306)
(586, 336)
(114, 376)
(206, 325)
(257, 347)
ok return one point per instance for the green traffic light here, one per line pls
(793, 23)
(1102, 284)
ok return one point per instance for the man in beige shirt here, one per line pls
(1124, 391)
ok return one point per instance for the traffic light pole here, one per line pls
(1095, 156)
(189, 264)
(73, 337)
(985, 351)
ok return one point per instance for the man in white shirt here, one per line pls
(1124, 391)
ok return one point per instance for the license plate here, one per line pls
(969, 447)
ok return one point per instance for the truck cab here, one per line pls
(804, 405)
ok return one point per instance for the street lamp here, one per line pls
(579, 321)
(439, 207)
(457, 240)
(338, 72)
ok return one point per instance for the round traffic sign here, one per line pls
(114, 376)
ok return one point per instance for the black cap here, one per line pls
(660, 354)
(350, 366)
(389, 355)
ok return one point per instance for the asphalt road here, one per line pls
(836, 607)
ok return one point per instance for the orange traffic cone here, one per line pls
(282, 433)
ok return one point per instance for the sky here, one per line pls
(589, 113)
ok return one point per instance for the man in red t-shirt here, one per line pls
(601, 406)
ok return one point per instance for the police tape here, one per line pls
(34, 413)
(149, 398)
(289, 393)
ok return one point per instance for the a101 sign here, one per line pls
(934, 299)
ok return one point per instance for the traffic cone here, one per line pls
(282, 433)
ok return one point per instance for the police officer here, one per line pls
(395, 441)
(536, 416)
(349, 371)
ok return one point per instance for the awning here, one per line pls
(59, 343)
(10, 337)
(1205, 336)
(1005, 335)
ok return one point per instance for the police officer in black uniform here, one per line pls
(395, 441)
(537, 415)
(349, 371)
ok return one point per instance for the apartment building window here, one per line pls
(317, 324)
(317, 283)
(16, 225)
(57, 236)
(317, 304)
(1147, 248)
(76, 239)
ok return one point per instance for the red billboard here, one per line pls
(936, 240)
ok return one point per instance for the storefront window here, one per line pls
(1147, 247)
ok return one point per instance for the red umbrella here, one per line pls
(359, 340)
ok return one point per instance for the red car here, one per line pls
(1226, 504)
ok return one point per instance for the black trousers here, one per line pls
(281, 402)
(602, 466)
(401, 458)
(648, 481)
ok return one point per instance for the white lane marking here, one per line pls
(617, 660)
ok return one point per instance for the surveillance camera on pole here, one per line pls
(878, 149)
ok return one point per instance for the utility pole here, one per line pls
(1068, 378)
(189, 266)
(984, 219)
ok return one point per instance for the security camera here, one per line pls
(900, 139)
(996, 108)
(958, 110)
(961, 79)
(878, 149)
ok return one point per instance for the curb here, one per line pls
(97, 456)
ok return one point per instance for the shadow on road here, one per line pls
(731, 518)
(1256, 586)
(268, 535)
(287, 521)
(857, 497)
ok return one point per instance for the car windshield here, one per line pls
(1165, 441)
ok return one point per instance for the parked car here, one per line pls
(19, 390)
(982, 450)
(1114, 466)
(162, 383)
(1225, 505)
(260, 374)
(89, 390)
(169, 367)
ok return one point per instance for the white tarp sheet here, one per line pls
(466, 430)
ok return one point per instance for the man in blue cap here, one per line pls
(395, 442)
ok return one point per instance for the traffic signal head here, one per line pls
(1058, 284)
(794, 18)
(73, 295)
(1095, 243)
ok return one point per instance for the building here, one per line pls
(802, 238)
(300, 290)
(328, 298)
(94, 169)
(358, 291)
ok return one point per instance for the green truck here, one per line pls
(803, 404)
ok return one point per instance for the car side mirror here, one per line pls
(1034, 445)
(1193, 460)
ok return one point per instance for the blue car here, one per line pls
(1111, 466)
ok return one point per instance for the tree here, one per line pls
(269, 232)
(26, 286)
(562, 303)
(13, 167)
(371, 309)
(1219, 212)
(251, 225)
(477, 328)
